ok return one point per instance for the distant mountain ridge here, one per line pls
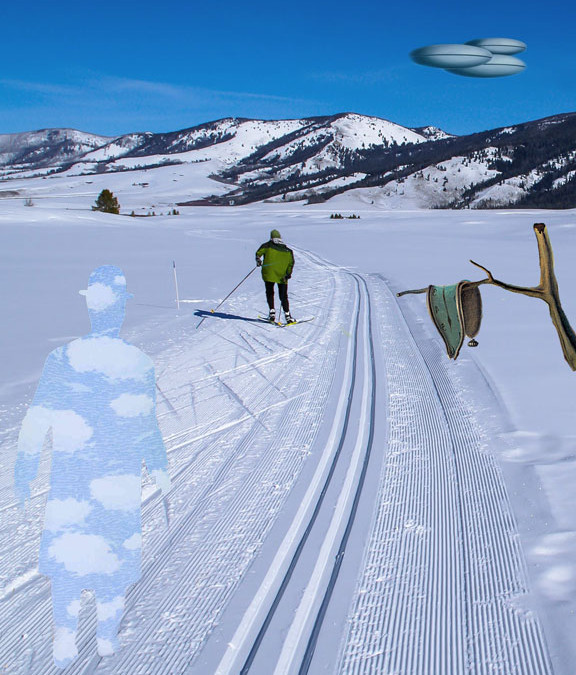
(529, 165)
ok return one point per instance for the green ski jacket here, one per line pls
(278, 261)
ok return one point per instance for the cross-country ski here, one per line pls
(282, 324)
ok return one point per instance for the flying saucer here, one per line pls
(483, 57)
(499, 45)
(499, 65)
(451, 56)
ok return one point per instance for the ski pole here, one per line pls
(229, 294)
(176, 284)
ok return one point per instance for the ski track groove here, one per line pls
(238, 400)
(244, 337)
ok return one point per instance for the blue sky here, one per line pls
(115, 67)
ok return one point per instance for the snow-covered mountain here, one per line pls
(319, 158)
(316, 154)
(52, 148)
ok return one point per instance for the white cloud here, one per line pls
(34, 428)
(84, 554)
(62, 513)
(134, 542)
(109, 610)
(117, 492)
(93, 87)
(71, 431)
(41, 87)
(182, 92)
(73, 608)
(105, 647)
(120, 280)
(64, 644)
(111, 356)
(79, 387)
(99, 297)
(132, 405)
(559, 582)
(556, 544)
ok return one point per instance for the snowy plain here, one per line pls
(246, 409)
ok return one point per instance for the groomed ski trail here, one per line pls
(444, 587)
(333, 510)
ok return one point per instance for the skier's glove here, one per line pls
(258, 262)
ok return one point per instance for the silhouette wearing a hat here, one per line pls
(97, 394)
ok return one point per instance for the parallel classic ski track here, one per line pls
(311, 643)
(285, 581)
(443, 585)
(300, 644)
(271, 591)
(311, 646)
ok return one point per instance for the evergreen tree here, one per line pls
(107, 203)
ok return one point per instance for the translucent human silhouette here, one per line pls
(97, 395)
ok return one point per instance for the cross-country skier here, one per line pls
(277, 261)
(98, 395)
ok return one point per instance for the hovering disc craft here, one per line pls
(483, 57)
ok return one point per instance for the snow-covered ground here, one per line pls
(345, 498)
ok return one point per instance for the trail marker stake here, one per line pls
(176, 284)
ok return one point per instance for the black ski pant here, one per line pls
(282, 292)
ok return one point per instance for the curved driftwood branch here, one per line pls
(546, 290)
(490, 279)
(417, 290)
(524, 290)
